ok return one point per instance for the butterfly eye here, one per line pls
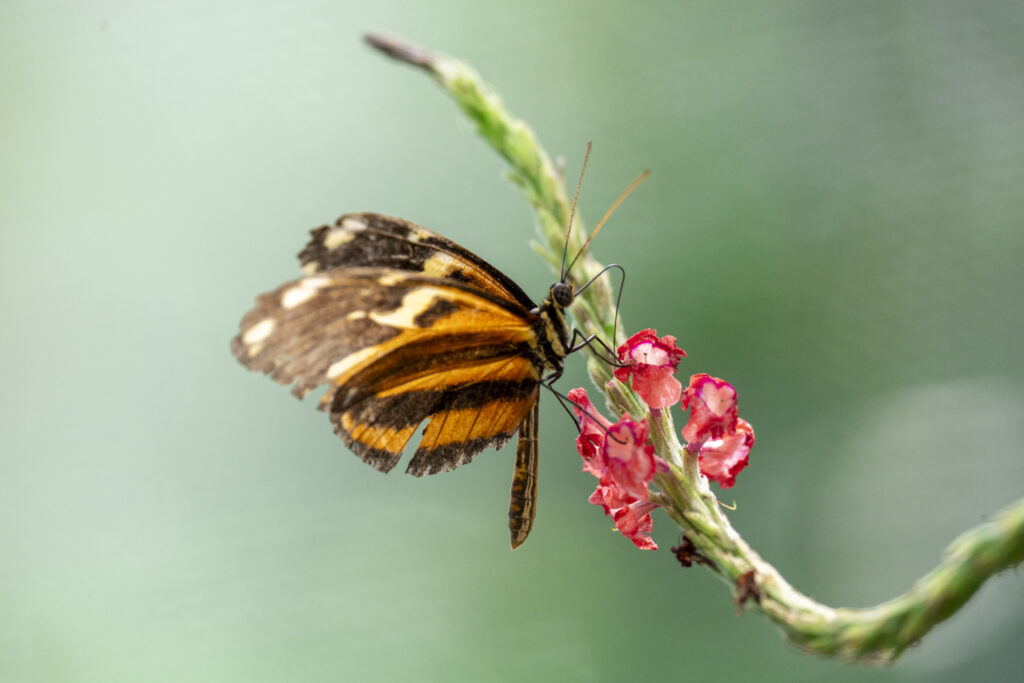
(561, 292)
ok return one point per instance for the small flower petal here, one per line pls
(652, 363)
(629, 459)
(722, 459)
(713, 408)
(634, 522)
(593, 427)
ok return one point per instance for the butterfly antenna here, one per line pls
(622, 197)
(618, 300)
(572, 212)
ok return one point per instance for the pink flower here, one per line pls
(721, 439)
(630, 462)
(625, 464)
(652, 362)
(722, 459)
(634, 522)
(593, 427)
(713, 410)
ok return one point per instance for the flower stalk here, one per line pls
(875, 634)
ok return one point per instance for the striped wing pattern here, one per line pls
(398, 349)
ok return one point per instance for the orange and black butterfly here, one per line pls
(405, 326)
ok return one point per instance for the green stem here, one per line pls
(873, 634)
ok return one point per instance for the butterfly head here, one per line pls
(561, 294)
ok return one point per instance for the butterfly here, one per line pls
(405, 327)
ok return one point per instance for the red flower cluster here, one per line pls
(620, 457)
(624, 463)
(715, 430)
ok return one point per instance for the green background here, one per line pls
(834, 223)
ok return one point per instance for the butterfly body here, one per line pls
(407, 327)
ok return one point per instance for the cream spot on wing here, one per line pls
(348, 362)
(356, 315)
(339, 236)
(353, 224)
(296, 295)
(301, 292)
(392, 279)
(418, 234)
(439, 265)
(310, 268)
(413, 303)
(258, 332)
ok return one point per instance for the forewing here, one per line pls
(373, 240)
(397, 349)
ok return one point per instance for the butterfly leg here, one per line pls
(563, 400)
(587, 342)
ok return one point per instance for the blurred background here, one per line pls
(834, 223)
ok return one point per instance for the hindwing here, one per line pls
(396, 349)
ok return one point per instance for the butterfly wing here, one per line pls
(397, 349)
(374, 240)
